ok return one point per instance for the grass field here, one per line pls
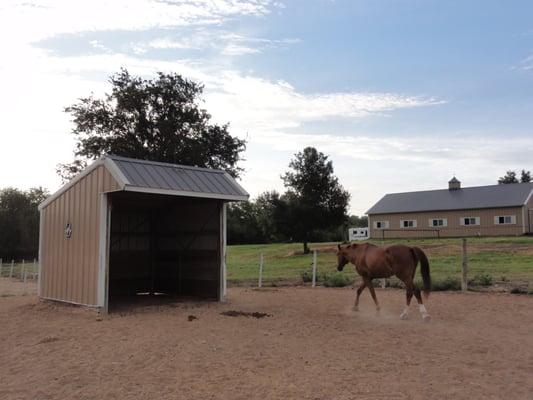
(503, 259)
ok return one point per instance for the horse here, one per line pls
(382, 262)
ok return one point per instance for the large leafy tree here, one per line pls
(314, 200)
(157, 119)
(19, 222)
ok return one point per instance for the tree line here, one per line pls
(19, 222)
(511, 177)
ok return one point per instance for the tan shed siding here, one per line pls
(69, 267)
(454, 228)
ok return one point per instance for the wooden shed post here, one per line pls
(40, 254)
(464, 278)
(223, 273)
(103, 254)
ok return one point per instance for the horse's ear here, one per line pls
(339, 246)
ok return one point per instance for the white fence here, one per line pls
(23, 270)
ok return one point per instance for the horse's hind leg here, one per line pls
(425, 315)
(409, 291)
(368, 283)
(359, 291)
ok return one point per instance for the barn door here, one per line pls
(530, 219)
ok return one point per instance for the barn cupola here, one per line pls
(454, 184)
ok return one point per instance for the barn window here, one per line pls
(468, 221)
(437, 222)
(505, 220)
(408, 223)
(381, 224)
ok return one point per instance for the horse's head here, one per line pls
(342, 260)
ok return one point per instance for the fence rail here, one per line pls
(23, 270)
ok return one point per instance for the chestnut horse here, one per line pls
(382, 262)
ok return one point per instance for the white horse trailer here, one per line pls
(357, 234)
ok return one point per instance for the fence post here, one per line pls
(261, 260)
(464, 279)
(34, 268)
(22, 272)
(314, 268)
(11, 270)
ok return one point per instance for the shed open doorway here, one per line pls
(163, 248)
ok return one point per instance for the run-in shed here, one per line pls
(125, 227)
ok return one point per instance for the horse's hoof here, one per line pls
(426, 318)
(404, 316)
(355, 308)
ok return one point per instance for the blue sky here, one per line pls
(400, 93)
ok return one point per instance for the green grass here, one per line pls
(495, 259)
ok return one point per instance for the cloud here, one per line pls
(237, 50)
(219, 41)
(526, 64)
(264, 106)
(39, 19)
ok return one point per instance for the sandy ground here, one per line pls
(478, 346)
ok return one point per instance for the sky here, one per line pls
(401, 94)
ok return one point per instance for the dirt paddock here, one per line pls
(309, 345)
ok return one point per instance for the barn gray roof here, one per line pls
(493, 196)
(161, 178)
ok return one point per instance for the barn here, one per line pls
(125, 227)
(493, 210)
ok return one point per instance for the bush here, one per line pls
(307, 276)
(448, 283)
(521, 290)
(336, 280)
(481, 280)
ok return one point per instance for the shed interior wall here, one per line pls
(164, 245)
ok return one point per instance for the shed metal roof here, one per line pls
(162, 178)
(493, 196)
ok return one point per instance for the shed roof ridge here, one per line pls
(163, 164)
(463, 188)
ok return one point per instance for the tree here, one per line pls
(19, 222)
(525, 176)
(509, 177)
(314, 200)
(253, 221)
(355, 221)
(155, 119)
(242, 224)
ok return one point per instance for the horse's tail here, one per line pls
(419, 255)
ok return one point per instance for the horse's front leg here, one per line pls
(359, 291)
(368, 282)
